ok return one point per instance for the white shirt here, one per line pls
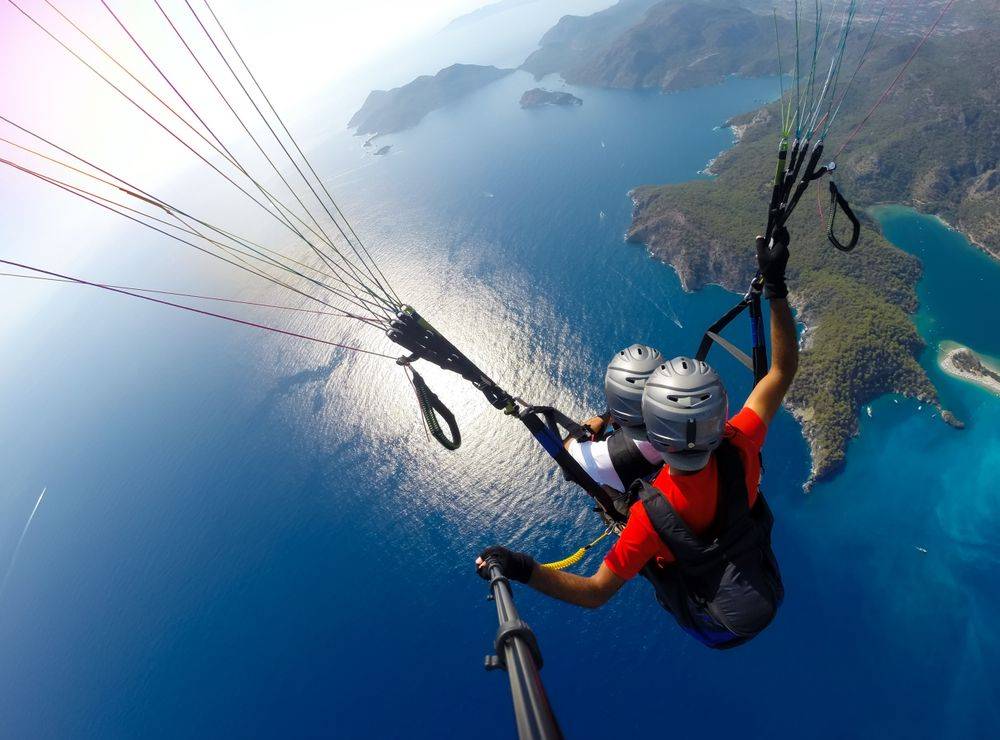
(596, 461)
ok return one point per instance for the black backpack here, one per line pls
(724, 588)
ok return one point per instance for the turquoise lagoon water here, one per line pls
(246, 536)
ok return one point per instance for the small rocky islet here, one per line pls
(539, 97)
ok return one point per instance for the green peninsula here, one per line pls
(931, 145)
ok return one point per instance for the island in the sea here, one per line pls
(391, 111)
(963, 363)
(539, 97)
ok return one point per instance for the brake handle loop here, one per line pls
(837, 200)
(433, 410)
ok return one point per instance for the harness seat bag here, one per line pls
(724, 588)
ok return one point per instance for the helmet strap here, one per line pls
(691, 433)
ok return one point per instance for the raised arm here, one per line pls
(766, 397)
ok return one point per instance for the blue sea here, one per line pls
(246, 535)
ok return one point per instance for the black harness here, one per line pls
(724, 587)
(627, 459)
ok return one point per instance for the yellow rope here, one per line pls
(577, 556)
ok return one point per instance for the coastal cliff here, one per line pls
(859, 342)
(576, 39)
(391, 111)
(670, 45)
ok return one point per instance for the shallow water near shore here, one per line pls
(245, 537)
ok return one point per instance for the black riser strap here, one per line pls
(553, 445)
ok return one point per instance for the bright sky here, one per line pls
(311, 42)
(305, 42)
(296, 48)
(304, 53)
(299, 49)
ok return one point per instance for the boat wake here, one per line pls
(20, 541)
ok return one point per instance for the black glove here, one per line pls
(772, 260)
(515, 565)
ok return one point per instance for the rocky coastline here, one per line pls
(844, 364)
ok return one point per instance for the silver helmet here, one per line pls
(625, 379)
(684, 407)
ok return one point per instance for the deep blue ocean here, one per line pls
(245, 535)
